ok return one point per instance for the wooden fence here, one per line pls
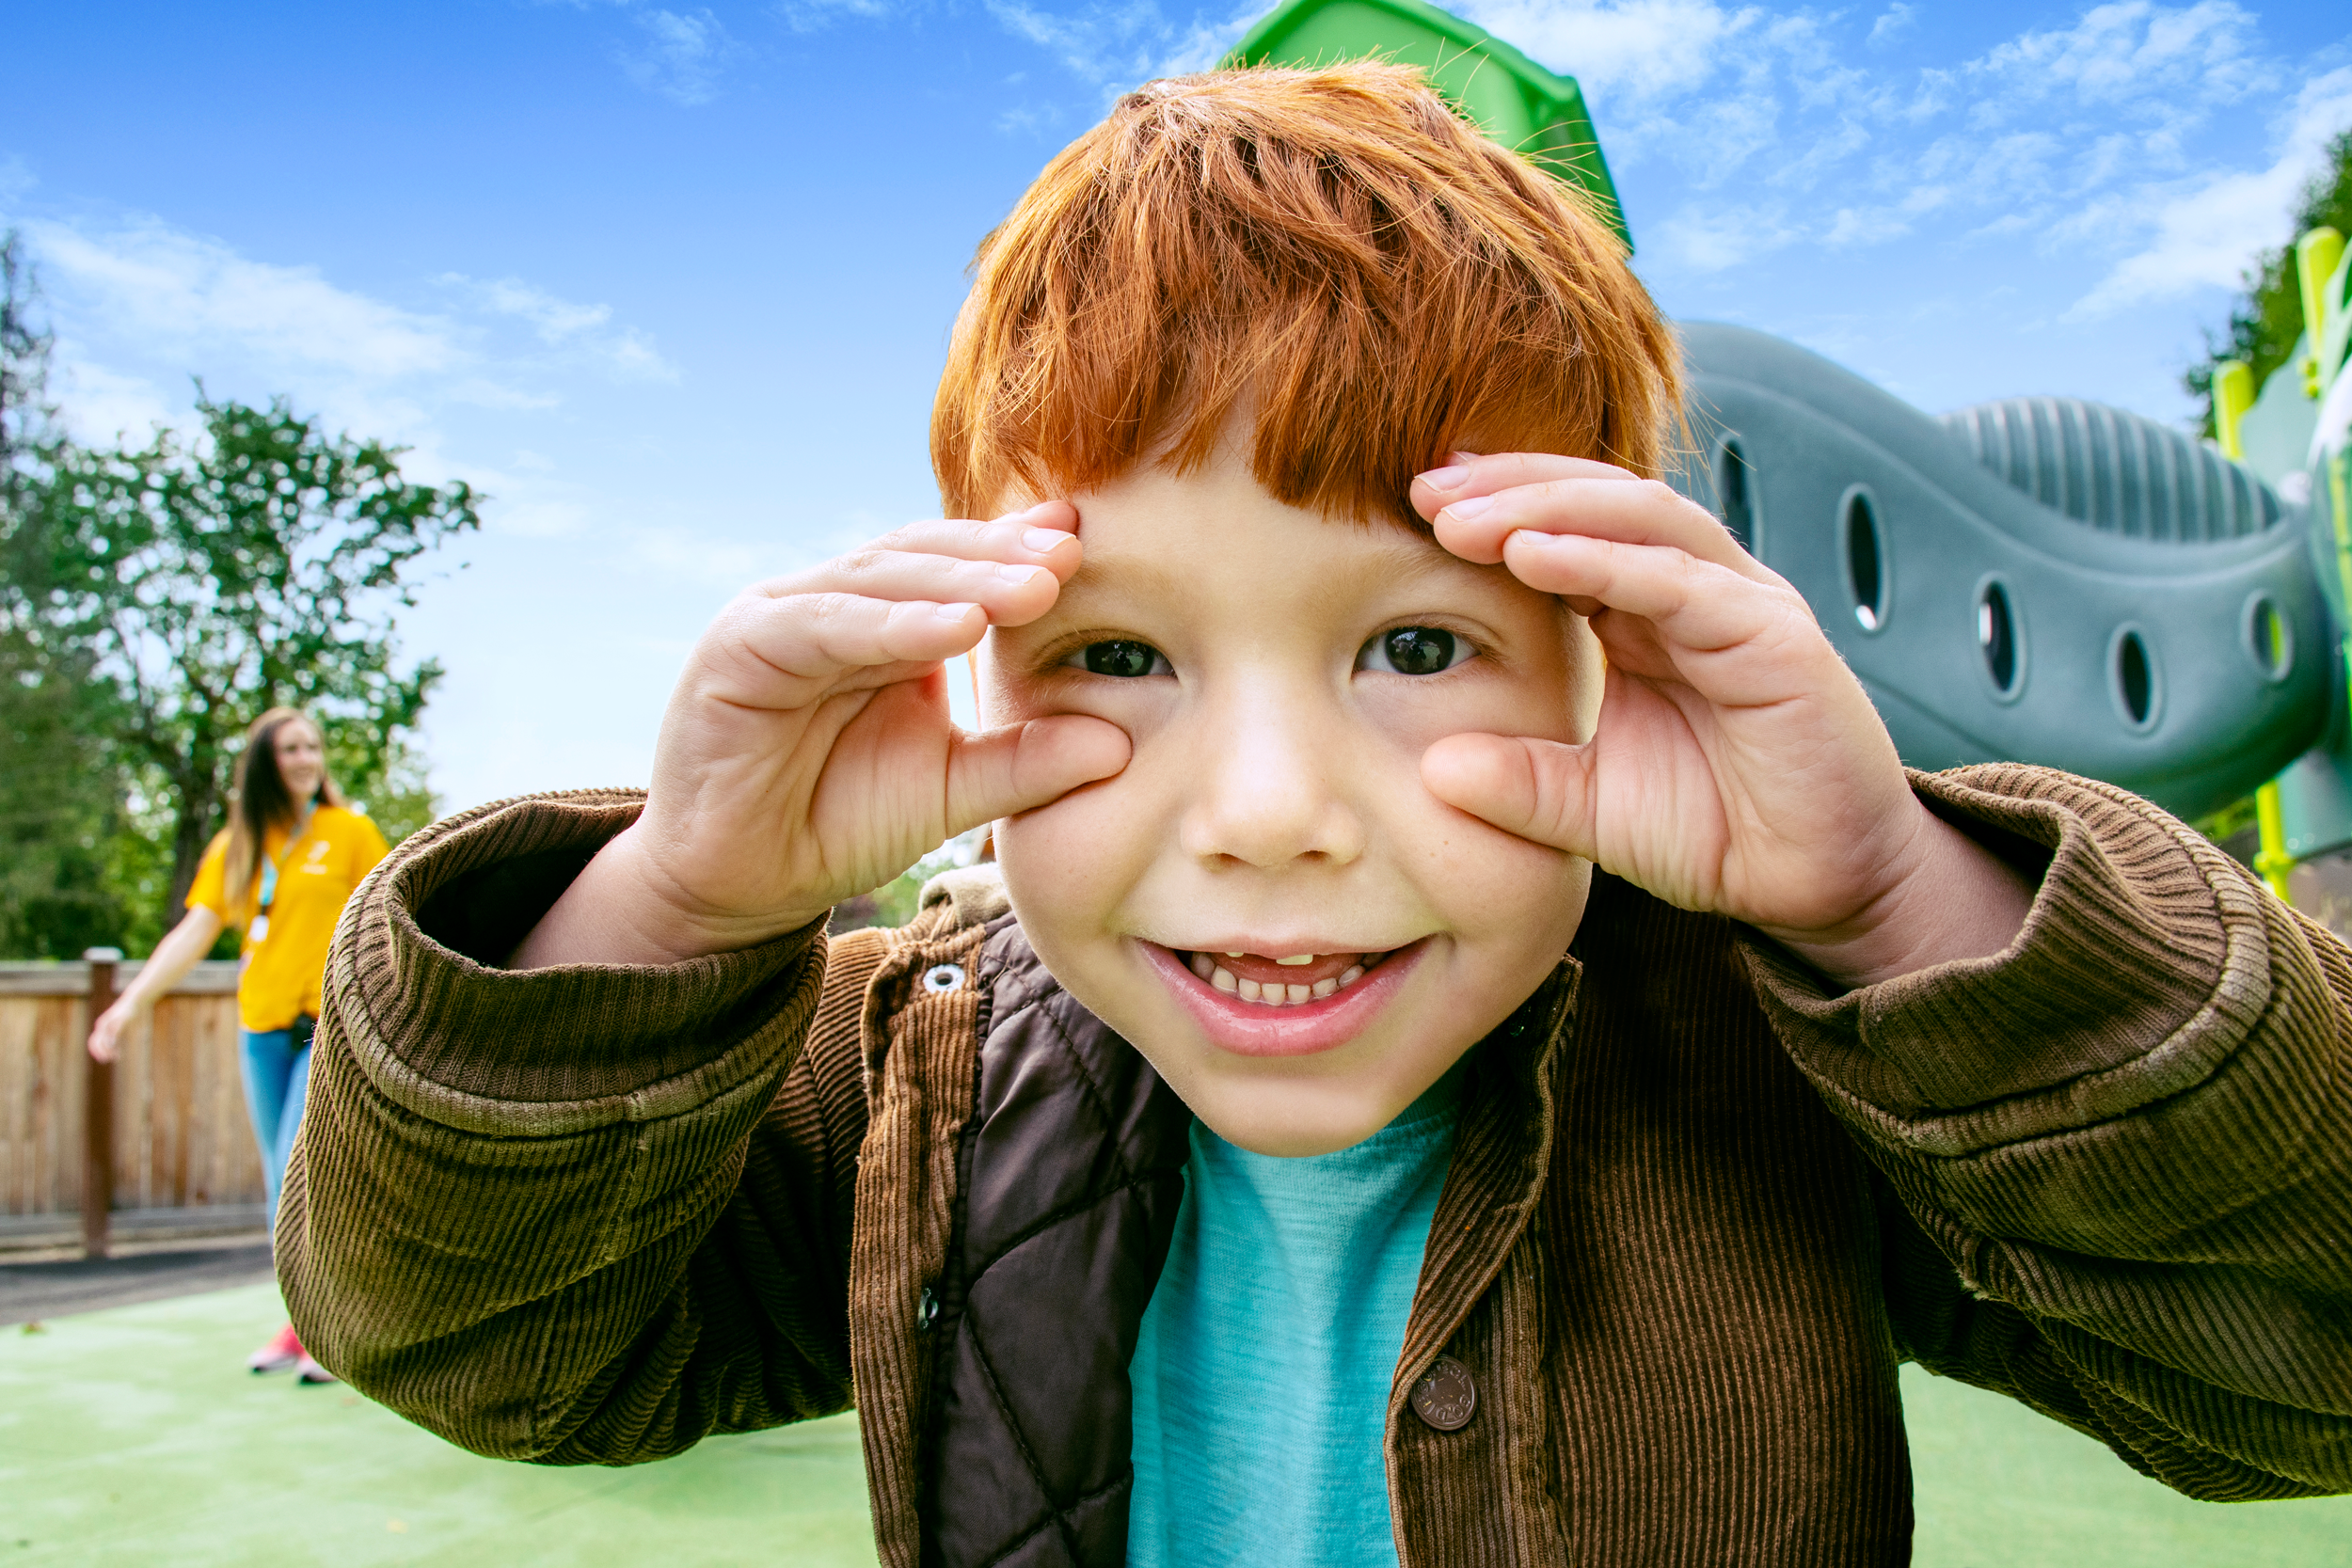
(183, 1156)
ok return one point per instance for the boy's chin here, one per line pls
(1296, 1120)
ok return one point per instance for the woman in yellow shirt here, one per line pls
(280, 872)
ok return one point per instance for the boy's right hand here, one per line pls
(806, 754)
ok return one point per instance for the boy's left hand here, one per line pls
(1737, 766)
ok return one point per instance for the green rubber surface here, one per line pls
(134, 1437)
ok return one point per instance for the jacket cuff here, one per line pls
(2144, 962)
(413, 988)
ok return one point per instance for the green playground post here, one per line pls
(2317, 255)
(2233, 395)
(2319, 263)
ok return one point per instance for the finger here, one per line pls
(1468, 473)
(1538, 790)
(1039, 536)
(1697, 605)
(1023, 767)
(1012, 594)
(1475, 506)
(817, 635)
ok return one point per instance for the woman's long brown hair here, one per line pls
(259, 799)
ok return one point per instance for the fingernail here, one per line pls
(1023, 575)
(1446, 477)
(1471, 510)
(1043, 539)
(954, 612)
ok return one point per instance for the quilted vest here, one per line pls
(1656, 1256)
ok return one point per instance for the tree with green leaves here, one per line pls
(261, 564)
(2269, 317)
(61, 793)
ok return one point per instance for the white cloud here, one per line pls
(102, 405)
(2204, 236)
(1029, 119)
(1200, 46)
(1642, 49)
(1101, 41)
(141, 308)
(181, 292)
(2085, 139)
(556, 319)
(1714, 239)
(1119, 43)
(582, 330)
(808, 16)
(1892, 24)
(2147, 57)
(682, 57)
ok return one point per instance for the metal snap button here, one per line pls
(941, 978)
(1445, 1397)
(925, 1309)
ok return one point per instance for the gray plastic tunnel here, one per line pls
(2040, 579)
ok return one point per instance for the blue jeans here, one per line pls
(276, 1072)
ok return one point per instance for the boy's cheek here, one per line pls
(1069, 864)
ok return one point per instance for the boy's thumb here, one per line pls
(1537, 789)
(1022, 767)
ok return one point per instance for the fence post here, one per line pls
(98, 1113)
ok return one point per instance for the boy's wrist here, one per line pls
(624, 908)
(1951, 900)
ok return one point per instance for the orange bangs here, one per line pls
(1335, 253)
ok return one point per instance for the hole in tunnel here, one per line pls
(1866, 567)
(1997, 635)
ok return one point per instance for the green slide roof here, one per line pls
(1508, 95)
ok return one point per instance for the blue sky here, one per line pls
(674, 284)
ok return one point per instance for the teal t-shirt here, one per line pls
(1262, 1367)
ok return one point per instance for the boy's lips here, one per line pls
(1257, 1029)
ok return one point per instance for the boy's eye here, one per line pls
(1413, 651)
(1121, 657)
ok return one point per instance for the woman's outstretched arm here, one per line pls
(178, 953)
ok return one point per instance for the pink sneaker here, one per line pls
(309, 1370)
(283, 1351)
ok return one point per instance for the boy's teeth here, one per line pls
(1271, 994)
(1301, 958)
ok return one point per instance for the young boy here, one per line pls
(1247, 1176)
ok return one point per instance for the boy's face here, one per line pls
(1280, 675)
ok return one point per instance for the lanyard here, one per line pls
(260, 929)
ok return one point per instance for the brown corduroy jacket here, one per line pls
(1699, 1207)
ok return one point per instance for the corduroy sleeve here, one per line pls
(579, 1214)
(2116, 1157)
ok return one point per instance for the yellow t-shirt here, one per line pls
(283, 971)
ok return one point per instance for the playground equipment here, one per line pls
(2038, 579)
(2041, 579)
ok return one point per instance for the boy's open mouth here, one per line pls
(1283, 1004)
(1291, 981)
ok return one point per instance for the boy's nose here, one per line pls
(1264, 793)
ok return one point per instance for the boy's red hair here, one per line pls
(1335, 253)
